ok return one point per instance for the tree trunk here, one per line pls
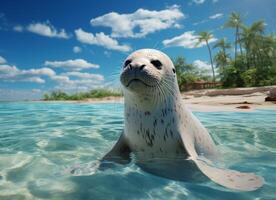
(238, 37)
(236, 44)
(211, 60)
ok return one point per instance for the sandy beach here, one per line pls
(238, 99)
(248, 99)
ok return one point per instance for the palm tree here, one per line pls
(235, 22)
(254, 42)
(206, 37)
(221, 59)
(223, 45)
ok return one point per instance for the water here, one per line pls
(39, 140)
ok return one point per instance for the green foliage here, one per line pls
(96, 93)
(249, 77)
(189, 73)
(255, 63)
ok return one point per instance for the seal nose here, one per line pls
(140, 67)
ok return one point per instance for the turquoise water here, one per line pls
(38, 141)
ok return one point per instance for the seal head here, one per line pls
(145, 69)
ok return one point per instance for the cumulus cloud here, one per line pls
(198, 1)
(100, 39)
(205, 67)
(85, 75)
(76, 49)
(47, 29)
(81, 83)
(212, 17)
(2, 60)
(187, 40)
(68, 81)
(75, 65)
(61, 79)
(41, 71)
(140, 23)
(202, 64)
(10, 73)
(216, 16)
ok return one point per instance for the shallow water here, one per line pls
(38, 141)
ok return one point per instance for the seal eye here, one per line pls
(127, 63)
(156, 63)
(173, 70)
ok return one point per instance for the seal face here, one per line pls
(144, 70)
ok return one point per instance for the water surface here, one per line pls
(40, 140)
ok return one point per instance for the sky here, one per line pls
(78, 45)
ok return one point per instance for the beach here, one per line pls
(248, 99)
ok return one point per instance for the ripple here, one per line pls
(39, 140)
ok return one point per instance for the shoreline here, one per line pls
(209, 100)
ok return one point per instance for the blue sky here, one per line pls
(79, 45)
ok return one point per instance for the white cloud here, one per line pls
(68, 81)
(78, 85)
(12, 74)
(202, 64)
(61, 79)
(18, 28)
(34, 80)
(205, 67)
(100, 39)
(2, 60)
(198, 1)
(216, 16)
(77, 49)
(75, 65)
(82, 75)
(212, 17)
(41, 71)
(186, 40)
(47, 29)
(140, 23)
(5, 69)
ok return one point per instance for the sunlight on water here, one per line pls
(38, 141)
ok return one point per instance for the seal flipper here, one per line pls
(231, 178)
(228, 178)
(120, 153)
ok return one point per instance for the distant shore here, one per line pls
(211, 99)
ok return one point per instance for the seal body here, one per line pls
(166, 138)
(154, 133)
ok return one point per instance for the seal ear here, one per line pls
(120, 153)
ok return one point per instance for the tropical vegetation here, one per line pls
(253, 62)
(96, 93)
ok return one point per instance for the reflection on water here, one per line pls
(38, 141)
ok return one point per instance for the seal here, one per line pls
(165, 137)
